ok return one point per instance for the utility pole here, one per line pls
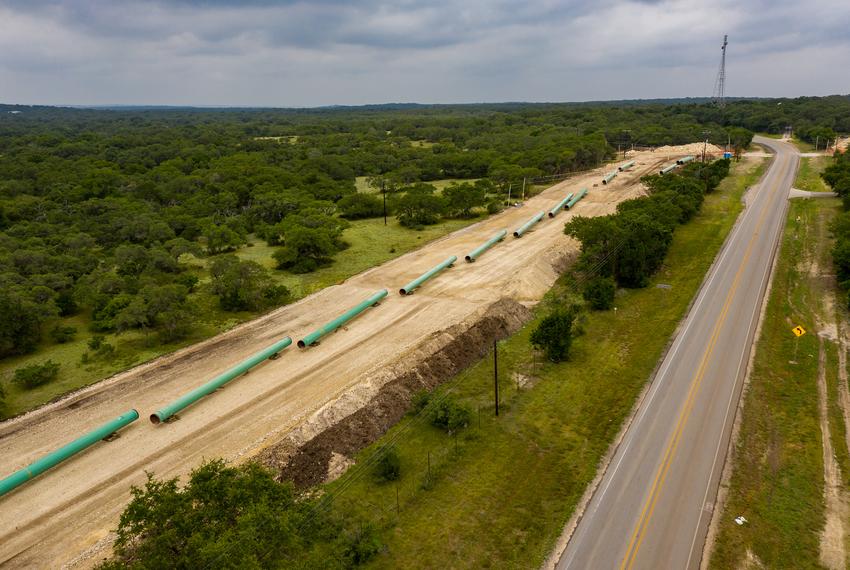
(496, 374)
(623, 142)
(509, 192)
(817, 140)
(705, 135)
(384, 192)
(523, 188)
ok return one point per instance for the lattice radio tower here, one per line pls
(720, 84)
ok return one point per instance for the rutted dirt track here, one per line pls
(70, 510)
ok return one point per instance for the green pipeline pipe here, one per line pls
(684, 159)
(219, 381)
(52, 459)
(626, 166)
(527, 225)
(667, 169)
(554, 211)
(610, 176)
(576, 198)
(475, 253)
(341, 320)
(408, 289)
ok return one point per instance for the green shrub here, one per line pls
(61, 335)
(95, 342)
(36, 375)
(388, 467)
(599, 293)
(449, 415)
(554, 334)
(419, 401)
(361, 206)
(363, 544)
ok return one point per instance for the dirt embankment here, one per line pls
(439, 357)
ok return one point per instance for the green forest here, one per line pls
(141, 229)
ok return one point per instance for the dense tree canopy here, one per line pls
(100, 209)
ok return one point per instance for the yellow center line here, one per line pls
(670, 451)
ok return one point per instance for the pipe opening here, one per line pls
(469, 259)
(155, 419)
(551, 215)
(516, 234)
(605, 182)
(301, 344)
(402, 291)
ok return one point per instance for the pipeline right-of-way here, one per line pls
(78, 445)
(554, 211)
(574, 200)
(476, 253)
(190, 398)
(330, 327)
(408, 289)
(528, 225)
(52, 459)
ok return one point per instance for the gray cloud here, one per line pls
(336, 52)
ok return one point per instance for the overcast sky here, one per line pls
(325, 52)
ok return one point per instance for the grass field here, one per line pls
(371, 243)
(363, 187)
(777, 482)
(808, 177)
(500, 491)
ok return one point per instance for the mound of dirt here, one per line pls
(692, 149)
(436, 359)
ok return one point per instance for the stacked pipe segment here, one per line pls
(408, 289)
(574, 200)
(667, 169)
(610, 176)
(52, 459)
(554, 211)
(626, 166)
(475, 253)
(219, 381)
(684, 159)
(527, 225)
(341, 320)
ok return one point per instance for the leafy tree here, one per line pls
(361, 206)
(62, 334)
(449, 415)
(20, 322)
(242, 285)
(554, 335)
(235, 516)
(461, 199)
(306, 250)
(221, 238)
(419, 207)
(599, 292)
(35, 375)
(388, 467)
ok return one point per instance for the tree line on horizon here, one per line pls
(99, 208)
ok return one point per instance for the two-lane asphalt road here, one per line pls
(652, 507)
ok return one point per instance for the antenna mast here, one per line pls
(720, 84)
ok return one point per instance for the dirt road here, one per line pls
(65, 516)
